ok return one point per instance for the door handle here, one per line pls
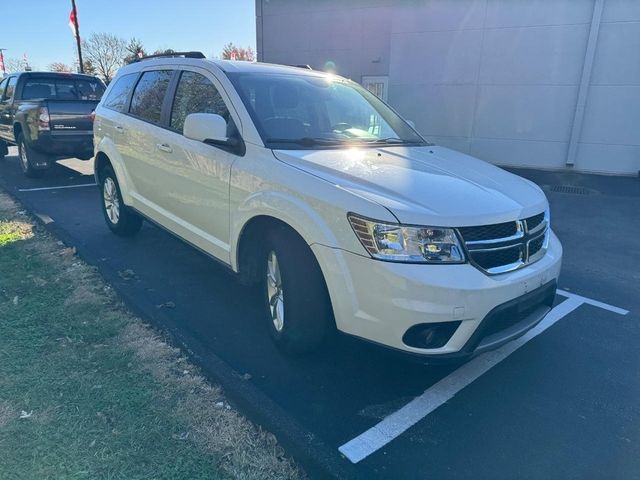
(119, 129)
(164, 147)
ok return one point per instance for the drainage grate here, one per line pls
(571, 189)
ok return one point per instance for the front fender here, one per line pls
(107, 147)
(292, 210)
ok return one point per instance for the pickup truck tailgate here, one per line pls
(70, 116)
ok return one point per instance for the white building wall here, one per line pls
(498, 79)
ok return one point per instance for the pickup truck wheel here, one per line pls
(297, 305)
(27, 156)
(120, 219)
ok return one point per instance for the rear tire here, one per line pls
(121, 220)
(28, 156)
(296, 301)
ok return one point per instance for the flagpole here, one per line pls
(77, 25)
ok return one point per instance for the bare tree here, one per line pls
(13, 65)
(106, 52)
(59, 67)
(231, 52)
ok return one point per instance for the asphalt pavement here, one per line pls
(564, 403)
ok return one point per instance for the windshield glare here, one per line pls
(294, 111)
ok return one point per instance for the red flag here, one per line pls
(73, 23)
(2, 61)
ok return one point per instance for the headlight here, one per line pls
(410, 244)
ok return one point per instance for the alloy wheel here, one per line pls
(111, 201)
(275, 294)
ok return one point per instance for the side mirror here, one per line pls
(205, 127)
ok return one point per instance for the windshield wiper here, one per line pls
(306, 141)
(389, 140)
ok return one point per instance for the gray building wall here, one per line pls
(499, 79)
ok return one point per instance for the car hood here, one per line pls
(424, 185)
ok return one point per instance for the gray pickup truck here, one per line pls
(48, 116)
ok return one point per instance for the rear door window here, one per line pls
(149, 94)
(119, 94)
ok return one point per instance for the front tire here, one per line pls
(120, 219)
(28, 156)
(296, 301)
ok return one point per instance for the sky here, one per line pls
(40, 28)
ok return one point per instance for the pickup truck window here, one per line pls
(119, 93)
(89, 90)
(11, 89)
(3, 85)
(149, 94)
(62, 89)
(196, 94)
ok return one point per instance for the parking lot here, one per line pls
(560, 402)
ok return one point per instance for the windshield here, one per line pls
(305, 111)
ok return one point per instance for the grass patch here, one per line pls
(14, 231)
(87, 391)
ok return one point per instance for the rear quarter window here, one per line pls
(119, 93)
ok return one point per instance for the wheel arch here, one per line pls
(107, 155)
(248, 252)
(17, 129)
(265, 211)
(100, 163)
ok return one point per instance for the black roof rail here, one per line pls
(307, 67)
(172, 54)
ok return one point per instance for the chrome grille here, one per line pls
(497, 258)
(535, 221)
(503, 247)
(535, 245)
(487, 232)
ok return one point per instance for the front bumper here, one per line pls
(380, 301)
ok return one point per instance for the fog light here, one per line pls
(430, 335)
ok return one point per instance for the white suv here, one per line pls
(309, 184)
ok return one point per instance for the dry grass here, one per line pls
(7, 414)
(205, 426)
(246, 450)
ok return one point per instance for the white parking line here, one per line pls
(56, 188)
(595, 303)
(398, 422)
